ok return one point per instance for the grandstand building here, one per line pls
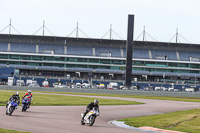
(26, 56)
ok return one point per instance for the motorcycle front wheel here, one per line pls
(82, 122)
(23, 107)
(10, 111)
(6, 112)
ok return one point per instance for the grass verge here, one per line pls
(185, 121)
(49, 100)
(186, 99)
(10, 131)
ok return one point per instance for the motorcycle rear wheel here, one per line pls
(92, 120)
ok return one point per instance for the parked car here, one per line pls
(160, 89)
(20, 83)
(113, 85)
(189, 89)
(122, 87)
(58, 85)
(176, 90)
(78, 85)
(171, 89)
(86, 85)
(102, 86)
(3, 83)
(33, 85)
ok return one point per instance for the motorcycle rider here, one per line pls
(90, 106)
(14, 97)
(29, 96)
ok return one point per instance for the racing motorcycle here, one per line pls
(90, 117)
(11, 107)
(25, 104)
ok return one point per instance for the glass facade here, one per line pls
(100, 63)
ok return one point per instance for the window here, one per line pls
(94, 60)
(194, 65)
(172, 64)
(81, 60)
(25, 57)
(73, 59)
(14, 56)
(116, 62)
(3, 56)
(48, 58)
(37, 58)
(105, 61)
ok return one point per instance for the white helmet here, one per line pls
(29, 91)
(17, 93)
(96, 101)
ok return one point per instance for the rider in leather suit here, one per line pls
(90, 106)
(14, 97)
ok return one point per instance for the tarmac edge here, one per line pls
(122, 125)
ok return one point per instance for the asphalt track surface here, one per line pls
(66, 119)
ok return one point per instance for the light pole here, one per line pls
(129, 51)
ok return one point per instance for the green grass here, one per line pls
(186, 99)
(48, 99)
(185, 121)
(10, 131)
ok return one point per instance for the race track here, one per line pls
(66, 119)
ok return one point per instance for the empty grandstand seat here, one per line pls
(22, 66)
(187, 75)
(189, 56)
(51, 48)
(108, 51)
(50, 68)
(140, 72)
(79, 50)
(171, 74)
(107, 71)
(139, 53)
(164, 54)
(3, 47)
(23, 47)
(80, 69)
(3, 65)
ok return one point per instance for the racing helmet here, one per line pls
(29, 91)
(17, 93)
(96, 101)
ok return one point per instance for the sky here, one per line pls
(161, 18)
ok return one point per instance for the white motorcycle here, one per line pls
(11, 106)
(90, 117)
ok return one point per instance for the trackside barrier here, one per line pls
(105, 91)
